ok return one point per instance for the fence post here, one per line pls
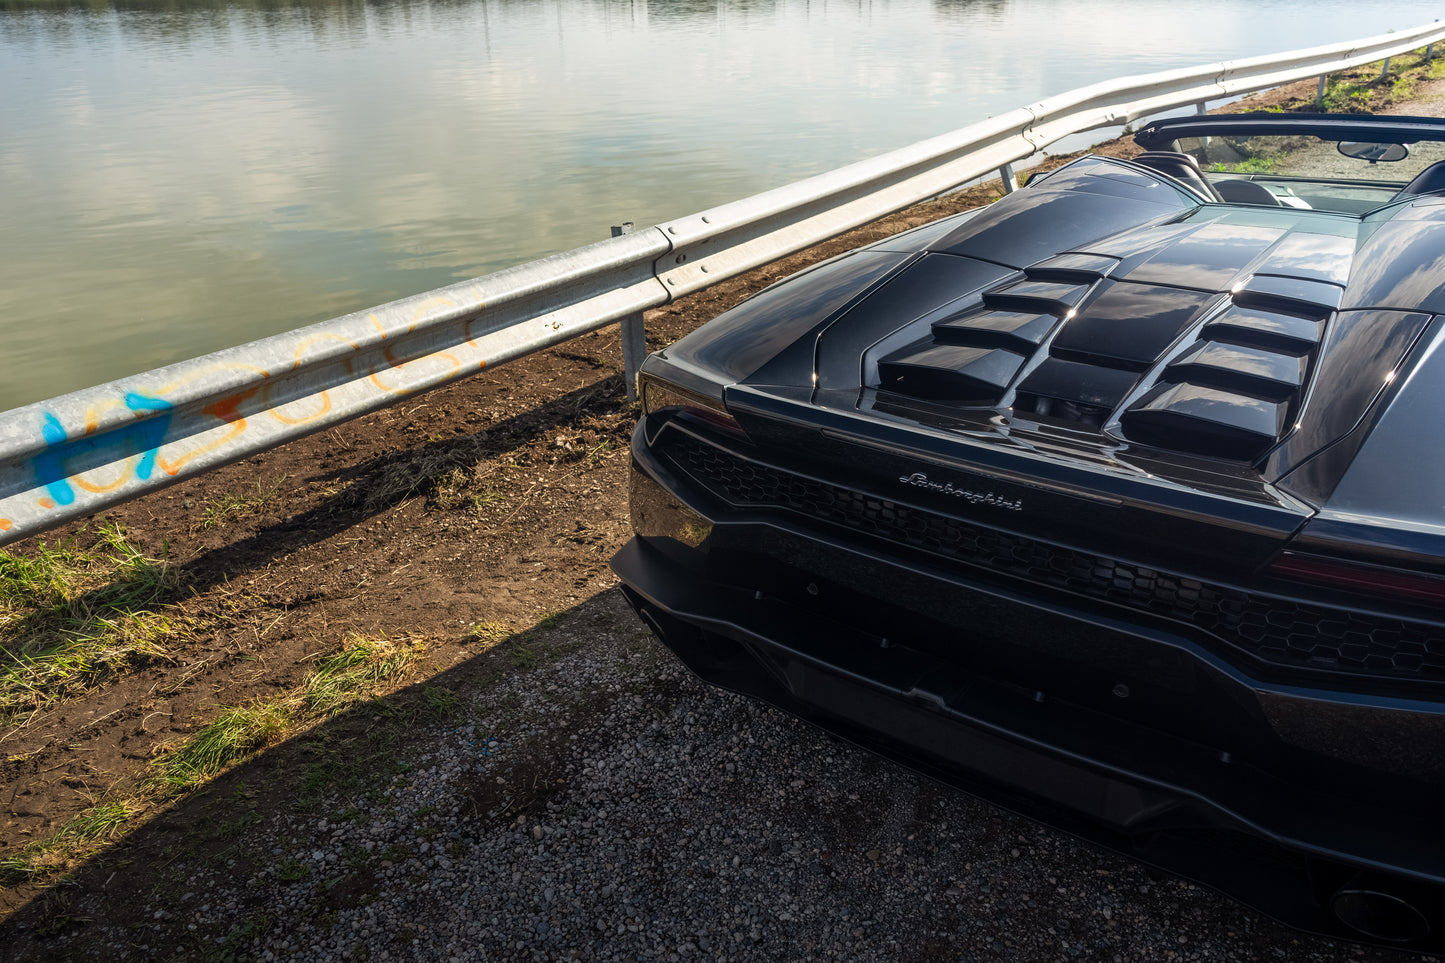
(634, 334)
(1009, 178)
(1320, 93)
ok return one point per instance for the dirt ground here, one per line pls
(473, 512)
(476, 511)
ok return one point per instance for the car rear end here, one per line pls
(1096, 588)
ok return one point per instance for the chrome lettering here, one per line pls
(919, 480)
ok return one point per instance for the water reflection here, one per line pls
(967, 9)
(177, 175)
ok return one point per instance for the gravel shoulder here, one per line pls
(544, 782)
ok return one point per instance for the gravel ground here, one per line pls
(607, 806)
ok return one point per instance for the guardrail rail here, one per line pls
(76, 454)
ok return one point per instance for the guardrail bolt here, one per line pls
(634, 335)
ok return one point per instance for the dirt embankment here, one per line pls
(454, 523)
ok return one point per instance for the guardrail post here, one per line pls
(1385, 72)
(1009, 178)
(634, 334)
(1320, 93)
(1201, 108)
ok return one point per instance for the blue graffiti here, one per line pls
(62, 458)
(148, 434)
(48, 463)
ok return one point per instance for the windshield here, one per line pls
(1307, 172)
(1303, 156)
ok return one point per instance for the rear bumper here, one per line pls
(1265, 801)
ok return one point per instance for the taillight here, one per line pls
(1361, 577)
(660, 395)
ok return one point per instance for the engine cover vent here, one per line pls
(951, 373)
(1206, 420)
(1255, 371)
(1001, 329)
(1264, 329)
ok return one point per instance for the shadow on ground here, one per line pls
(141, 897)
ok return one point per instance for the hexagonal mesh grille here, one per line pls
(1280, 631)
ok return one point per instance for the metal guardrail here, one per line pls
(76, 454)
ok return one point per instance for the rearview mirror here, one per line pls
(1363, 150)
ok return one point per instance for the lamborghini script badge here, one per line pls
(919, 480)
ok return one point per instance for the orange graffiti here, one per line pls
(227, 410)
(325, 407)
(301, 348)
(6, 525)
(427, 305)
(196, 375)
(92, 414)
(45, 503)
(393, 362)
(98, 489)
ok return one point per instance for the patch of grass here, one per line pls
(461, 486)
(442, 471)
(48, 857)
(1363, 89)
(99, 822)
(291, 871)
(229, 508)
(235, 734)
(1251, 165)
(356, 672)
(451, 488)
(596, 452)
(442, 705)
(71, 615)
(1343, 97)
(490, 632)
(240, 936)
(489, 495)
(237, 826)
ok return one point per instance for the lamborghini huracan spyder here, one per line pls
(1119, 502)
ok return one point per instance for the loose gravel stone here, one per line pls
(609, 807)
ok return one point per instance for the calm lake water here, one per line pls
(181, 175)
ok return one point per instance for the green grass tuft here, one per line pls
(228, 508)
(356, 672)
(70, 616)
(232, 736)
(48, 857)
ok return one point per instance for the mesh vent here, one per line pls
(1279, 631)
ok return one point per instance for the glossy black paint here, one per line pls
(1009, 691)
(1128, 325)
(992, 473)
(930, 283)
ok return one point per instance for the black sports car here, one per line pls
(1120, 502)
